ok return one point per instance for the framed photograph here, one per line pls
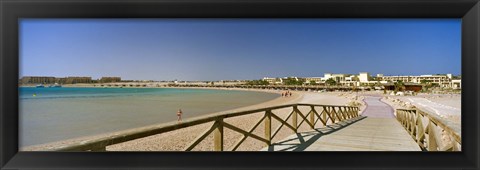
(228, 84)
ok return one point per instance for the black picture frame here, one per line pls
(12, 10)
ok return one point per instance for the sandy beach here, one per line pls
(178, 139)
(445, 107)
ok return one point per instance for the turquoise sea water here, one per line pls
(54, 114)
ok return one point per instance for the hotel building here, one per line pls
(443, 80)
(37, 80)
(364, 79)
(52, 80)
(110, 79)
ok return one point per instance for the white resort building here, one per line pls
(365, 79)
(443, 80)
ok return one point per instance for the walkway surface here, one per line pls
(376, 108)
(376, 130)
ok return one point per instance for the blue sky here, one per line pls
(225, 49)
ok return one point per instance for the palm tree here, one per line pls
(331, 82)
(426, 84)
(399, 85)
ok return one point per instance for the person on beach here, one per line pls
(290, 94)
(179, 114)
(282, 94)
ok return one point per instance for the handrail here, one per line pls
(334, 113)
(430, 133)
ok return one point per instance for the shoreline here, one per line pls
(278, 100)
(212, 88)
(179, 138)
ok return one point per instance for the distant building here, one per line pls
(336, 77)
(73, 80)
(52, 80)
(37, 80)
(271, 80)
(456, 84)
(110, 79)
(315, 79)
(443, 80)
(364, 77)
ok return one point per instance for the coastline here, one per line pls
(277, 100)
(176, 140)
(212, 88)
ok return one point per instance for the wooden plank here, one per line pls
(368, 134)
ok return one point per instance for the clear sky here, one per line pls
(227, 49)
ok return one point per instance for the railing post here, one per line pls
(347, 112)
(218, 135)
(432, 143)
(415, 125)
(352, 112)
(408, 121)
(312, 117)
(340, 112)
(294, 118)
(324, 115)
(420, 131)
(268, 127)
(344, 113)
(333, 114)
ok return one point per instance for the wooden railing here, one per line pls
(430, 133)
(326, 114)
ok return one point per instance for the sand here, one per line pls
(445, 107)
(177, 140)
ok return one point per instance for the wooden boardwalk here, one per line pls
(375, 130)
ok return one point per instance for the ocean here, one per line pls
(55, 114)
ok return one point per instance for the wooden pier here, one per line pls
(359, 134)
(377, 129)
